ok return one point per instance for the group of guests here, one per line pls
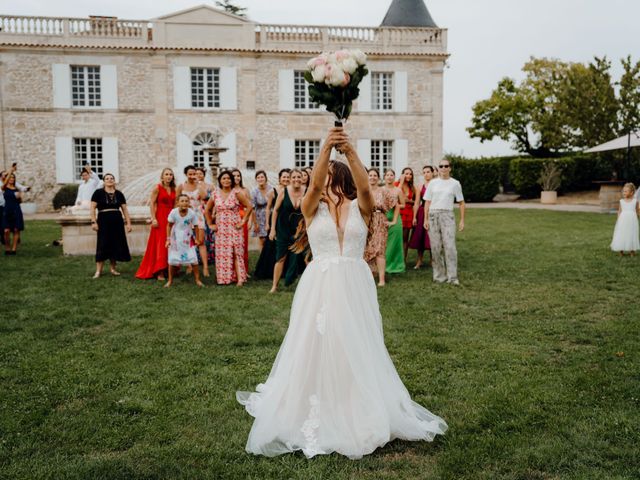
(198, 224)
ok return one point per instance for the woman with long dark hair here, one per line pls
(384, 201)
(11, 221)
(259, 200)
(228, 227)
(333, 386)
(163, 198)
(284, 223)
(409, 192)
(108, 206)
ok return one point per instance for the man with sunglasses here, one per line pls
(440, 221)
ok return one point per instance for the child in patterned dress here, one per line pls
(182, 239)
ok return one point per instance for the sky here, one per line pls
(488, 39)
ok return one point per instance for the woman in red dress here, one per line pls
(406, 213)
(420, 238)
(163, 197)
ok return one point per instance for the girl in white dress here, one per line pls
(625, 234)
(182, 228)
(333, 386)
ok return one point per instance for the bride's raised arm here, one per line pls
(319, 174)
(360, 178)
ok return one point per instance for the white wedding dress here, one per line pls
(333, 386)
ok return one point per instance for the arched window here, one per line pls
(203, 140)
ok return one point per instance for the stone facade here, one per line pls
(150, 126)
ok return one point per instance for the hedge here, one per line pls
(66, 196)
(480, 178)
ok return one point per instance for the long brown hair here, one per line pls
(340, 182)
(172, 184)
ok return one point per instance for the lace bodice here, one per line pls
(323, 234)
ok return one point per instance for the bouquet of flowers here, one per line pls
(334, 79)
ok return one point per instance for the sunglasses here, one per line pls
(444, 166)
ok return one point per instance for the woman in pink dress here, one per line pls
(226, 202)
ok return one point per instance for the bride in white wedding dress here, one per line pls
(333, 386)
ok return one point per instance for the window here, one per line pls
(87, 151)
(251, 165)
(205, 87)
(301, 100)
(381, 91)
(306, 152)
(85, 86)
(201, 158)
(381, 155)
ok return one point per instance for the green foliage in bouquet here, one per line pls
(337, 100)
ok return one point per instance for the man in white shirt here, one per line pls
(90, 183)
(440, 222)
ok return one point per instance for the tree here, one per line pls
(524, 114)
(629, 114)
(228, 6)
(559, 107)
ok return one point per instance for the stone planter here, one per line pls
(610, 194)
(549, 197)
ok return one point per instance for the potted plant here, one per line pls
(550, 179)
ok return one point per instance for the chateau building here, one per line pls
(133, 96)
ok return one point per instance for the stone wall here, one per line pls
(146, 122)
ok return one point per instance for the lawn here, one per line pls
(533, 362)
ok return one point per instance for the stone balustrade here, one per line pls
(312, 38)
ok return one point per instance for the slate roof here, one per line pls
(408, 13)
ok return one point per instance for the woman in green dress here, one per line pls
(395, 251)
(284, 223)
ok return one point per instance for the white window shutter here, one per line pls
(181, 88)
(109, 86)
(400, 91)
(228, 158)
(285, 85)
(61, 85)
(400, 154)
(228, 88)
(64, 160)
(110, 163)
(287, 153)
(364, 99)
(364, 151)
(184, 155)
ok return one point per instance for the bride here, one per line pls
(333, 386)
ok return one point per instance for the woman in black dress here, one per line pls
(110, 206)
(267, 259)
(284, 223)
(12, 221)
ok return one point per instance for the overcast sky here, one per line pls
(488, 39)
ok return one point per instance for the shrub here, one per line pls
(480, 178)
(524, 174)
(66, 196)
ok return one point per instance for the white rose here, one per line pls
(349, 65)
(359, 56)
(336, 76)
(319, 74)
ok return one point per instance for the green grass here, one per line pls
(121, 379)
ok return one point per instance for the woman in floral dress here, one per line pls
(375, 251)
(259, 200)
(230, 266)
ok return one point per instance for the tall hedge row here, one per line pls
(482, 178)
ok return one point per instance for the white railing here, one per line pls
(381, 38)
(72, 27)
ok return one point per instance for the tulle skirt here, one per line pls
(333, 386)
(625, 235)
